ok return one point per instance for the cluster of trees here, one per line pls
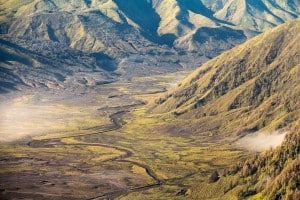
(274, 174)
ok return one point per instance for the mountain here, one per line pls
(256, 83)
(49, 65)
(253, 89)
(114, 26)
(139, 38)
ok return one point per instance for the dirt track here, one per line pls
(117, 123)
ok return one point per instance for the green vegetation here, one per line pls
(252, 88)
(144, 156)
(270, 175)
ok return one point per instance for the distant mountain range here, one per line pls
(128, 37)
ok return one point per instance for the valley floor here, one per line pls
(101, 143)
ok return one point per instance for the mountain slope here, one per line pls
(252, 90)
(271, 175)
(257, 82)
(257, 15)
(48, 65)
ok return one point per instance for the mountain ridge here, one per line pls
(250, 80)
(171, 21)
(250, 91)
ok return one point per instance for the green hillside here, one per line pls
(273, 174)
(255, 86)
(252, 89)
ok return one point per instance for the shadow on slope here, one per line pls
(220, 33)
(142, 13)
(198, 7)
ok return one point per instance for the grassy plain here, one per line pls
(91, 154)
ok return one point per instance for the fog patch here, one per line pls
(262, 141)
(21, 120)
(28, 115)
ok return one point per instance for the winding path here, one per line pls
(117, 123)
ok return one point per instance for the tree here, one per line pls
(214, 177)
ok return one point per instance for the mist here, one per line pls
(262, 141)
(29, 115)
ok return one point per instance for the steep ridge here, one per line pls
(256, 83)
(252, 89)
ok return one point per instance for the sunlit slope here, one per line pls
(251, 87)
(258, 15)
(89, 31)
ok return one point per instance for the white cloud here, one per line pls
(262, 141)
